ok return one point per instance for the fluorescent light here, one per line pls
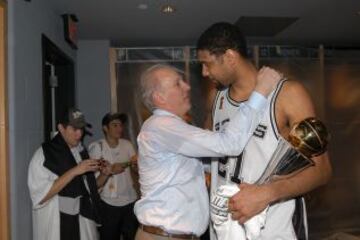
(167, 9)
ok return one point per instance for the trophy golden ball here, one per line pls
(310, 137)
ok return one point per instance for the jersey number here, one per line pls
(236, 172)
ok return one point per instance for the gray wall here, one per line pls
(26, 22)
(93, 83)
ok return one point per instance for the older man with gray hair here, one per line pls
(174, 200)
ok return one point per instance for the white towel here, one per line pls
(225, 227)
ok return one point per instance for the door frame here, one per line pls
(4, 129)
(63, 64)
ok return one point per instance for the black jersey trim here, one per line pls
(272, 110)
(214, 107)
(232, 101)
(299, 219)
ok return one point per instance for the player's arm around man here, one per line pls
(293, 105)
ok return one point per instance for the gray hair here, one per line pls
(148, 83)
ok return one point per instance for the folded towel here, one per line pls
(225, 227)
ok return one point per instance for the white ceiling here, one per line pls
(329, 22)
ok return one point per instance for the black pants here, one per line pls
(118, 221)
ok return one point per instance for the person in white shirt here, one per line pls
(63, 186)
(174, 200)
(118, 193)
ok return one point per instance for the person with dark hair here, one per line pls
(221, 37)
(222, 53)
(118, 193)
(62, 185)
(174, 200)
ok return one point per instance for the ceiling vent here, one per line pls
(264, 26)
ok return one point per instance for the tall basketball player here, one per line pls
(222, 53)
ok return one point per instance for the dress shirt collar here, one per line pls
(162, 112)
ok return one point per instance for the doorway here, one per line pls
(58, 85)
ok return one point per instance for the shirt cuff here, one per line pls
(257, 101)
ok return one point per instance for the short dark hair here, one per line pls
(222, 36)
(113, 116)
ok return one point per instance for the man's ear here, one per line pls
(230, 56)
(105, 129)
(60, 128)
(158, 98)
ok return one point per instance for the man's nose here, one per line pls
(205, 71)
(186, 86)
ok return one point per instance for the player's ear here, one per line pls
(230, 57)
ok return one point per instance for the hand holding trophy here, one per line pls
(307, 139)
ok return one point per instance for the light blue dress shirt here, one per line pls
(173, 192)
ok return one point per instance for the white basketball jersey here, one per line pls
(251, 163)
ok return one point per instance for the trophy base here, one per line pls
(285, 162)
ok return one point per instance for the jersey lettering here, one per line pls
(260, 131)
(222, 123)
(217, 127)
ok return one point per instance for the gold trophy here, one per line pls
(307, 139)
